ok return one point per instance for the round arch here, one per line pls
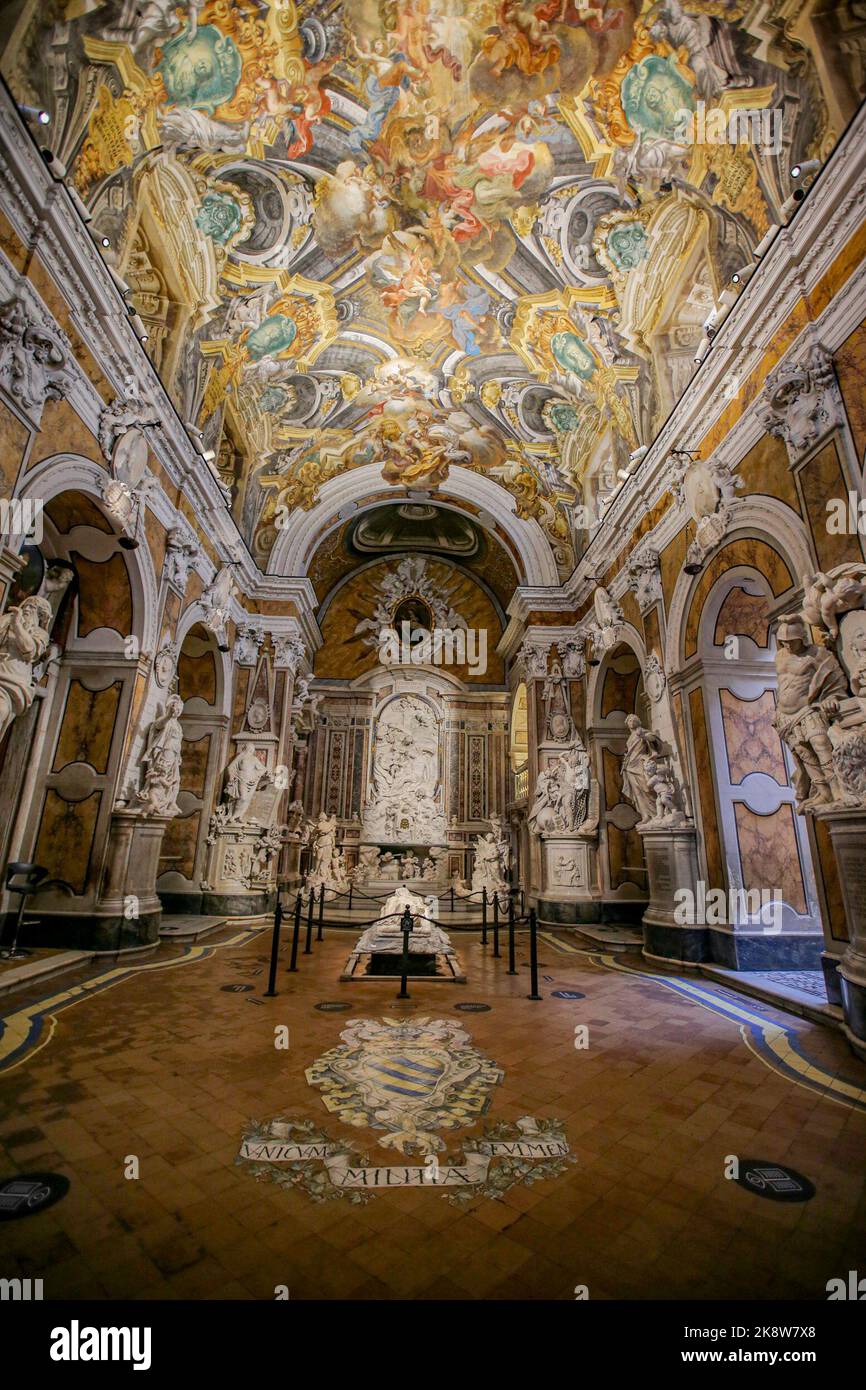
(72, 473)
(350, 494)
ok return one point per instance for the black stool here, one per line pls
(21, 878)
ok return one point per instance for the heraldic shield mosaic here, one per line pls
(408, 1078)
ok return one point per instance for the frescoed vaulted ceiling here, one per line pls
(424, 234)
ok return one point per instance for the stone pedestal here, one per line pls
(569, 876)
(232, 886)
(847, 829)
(672, 864)
(129, 886)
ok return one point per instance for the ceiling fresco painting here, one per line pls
(428, 235)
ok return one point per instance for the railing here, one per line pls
(520, 783)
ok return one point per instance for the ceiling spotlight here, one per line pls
(790, 205)
(808, 166)
(55, 166)
(764, 244)
(208, 455)
(623, 473)
(36, 112)
(744, 274)
(637, 454)
(43, 118)
(703, 349)
(693, 567)
(105, 241)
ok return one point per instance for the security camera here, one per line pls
(763, 245)
(55, 167)
(808, 166)
(743, 275)
(637, 454)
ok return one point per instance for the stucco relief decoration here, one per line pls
(609, 618)
(181, 554)
(34, 367)
(123, 441)
(706, 489)
(802, 402)
(645, 577)
(216, 602)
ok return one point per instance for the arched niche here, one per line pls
(752, 837)
(201, 684)
(616, 690)
(64, 760)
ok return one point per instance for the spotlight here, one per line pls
(104, 240)
(138, 327)
(208, 455)
(808, 166)
(128, 543)
(703, 349)
(743, 275)
(764, 244)
(623, 473)
(35, 111)
(637, 454)
(80, 206)
(193, 429)
(55, 167)
(790, 205)
(693, 567)
(122, 287)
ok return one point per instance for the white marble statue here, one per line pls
(487, 864)
(24, 636)
(324, 845)
(648, 779)
(561, 801)
(404, 805)
(811, 683)
(161, 762)
(244, 776)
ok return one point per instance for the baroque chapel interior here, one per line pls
(433, 616)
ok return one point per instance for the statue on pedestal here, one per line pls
(24, 637)
(811, 684)
(648, 779)
(161, 762)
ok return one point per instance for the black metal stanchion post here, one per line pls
(512, 965)
(308, 944)
(296, 932)
(483, 916)
(522, 903)
(270, 992)
(495, 924)
(406, 929)
(321, 911)
(533, 956)
(351, 886)
(452, 897)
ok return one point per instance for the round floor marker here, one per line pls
(774, 1181)
(332, 1007)
(473, 1008)
(29, 1193)
(566, 994)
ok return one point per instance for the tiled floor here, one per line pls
(170, 1066)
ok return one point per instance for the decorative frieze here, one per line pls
(802, 402)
